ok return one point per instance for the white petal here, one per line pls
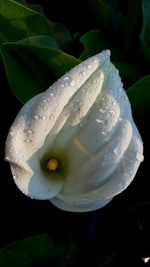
(85, 114)
(104, 152)
(32, 131)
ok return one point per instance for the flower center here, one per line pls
(52, 164)
(57, 162)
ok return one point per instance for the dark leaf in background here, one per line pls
(133, 14)
(129, 73)
(38, 249)
(109, 19)
(32, 64)
(19, 21)
(139, 96)
(93, 43)
(145, 32)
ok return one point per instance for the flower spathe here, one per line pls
(82, 125)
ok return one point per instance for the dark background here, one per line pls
(122, 228)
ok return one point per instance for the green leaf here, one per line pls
(93, 43)
(131, 22)
(139, 96)
(34, 63)
(17, 21)
(38, 249)
(103, 9)
(40, 41)
(21, 20)
(113, 3)
(145, 33)
(62, 35)
(21, 1)
(109, 17)
(129, 73)
(37, 8)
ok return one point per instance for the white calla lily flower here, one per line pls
(76, 144)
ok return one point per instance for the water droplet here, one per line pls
(44, 118)
(89, 66)
(83, 123)
(28, 140)
(29, 131)
(36, 117)
(45, 100)
(112, 111)
(72, 83)
(115, 151)
(85, 199)
(12, 133)
(66, 78)
(45, 107)
(62, 85)
(83, 73)
(102, 110)
(139, 157)
(11, 150)
(51, 117)
(51, 94)
(99, 121)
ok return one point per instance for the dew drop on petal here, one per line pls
(12, 133)
(66, 78)
(36, 117)
(28, 140)
(139, 157)
(83, 73)
(89, 66)
(84, 199)
(29, 131)
(115, 151)
(44, 118)
(102, 110)
(72, 83)
(11, 150)
(99, 121)
(51, 117)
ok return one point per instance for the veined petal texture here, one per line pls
(83, 120)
